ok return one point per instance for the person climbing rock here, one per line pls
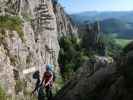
(38, 87)
(47, 81)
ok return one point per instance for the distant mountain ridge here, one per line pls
(92, 16)
(121, 28)
(120, 23)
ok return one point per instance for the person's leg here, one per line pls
(48, 93)
(41, 95)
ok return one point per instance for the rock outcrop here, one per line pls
(86, 80)
(111, 82)
(22, 55)
(65, 26)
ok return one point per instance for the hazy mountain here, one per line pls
(120, 27)
(110, 22)
(80, 18)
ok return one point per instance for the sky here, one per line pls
(76, 6)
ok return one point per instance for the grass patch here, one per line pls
(12, 23)
(120, 41)
(2, 94)
(123, 42)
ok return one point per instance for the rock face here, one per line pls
(20, 57)
(65, 26)
(86, 81)
(92, 32)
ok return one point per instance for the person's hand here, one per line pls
(33, 92)
(46, 84)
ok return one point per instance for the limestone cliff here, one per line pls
(64, 24)
(20, 55)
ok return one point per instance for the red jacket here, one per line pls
(48, 77)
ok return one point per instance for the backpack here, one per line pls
(35, 75)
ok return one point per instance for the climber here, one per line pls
(47, 81)
(38, 87)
